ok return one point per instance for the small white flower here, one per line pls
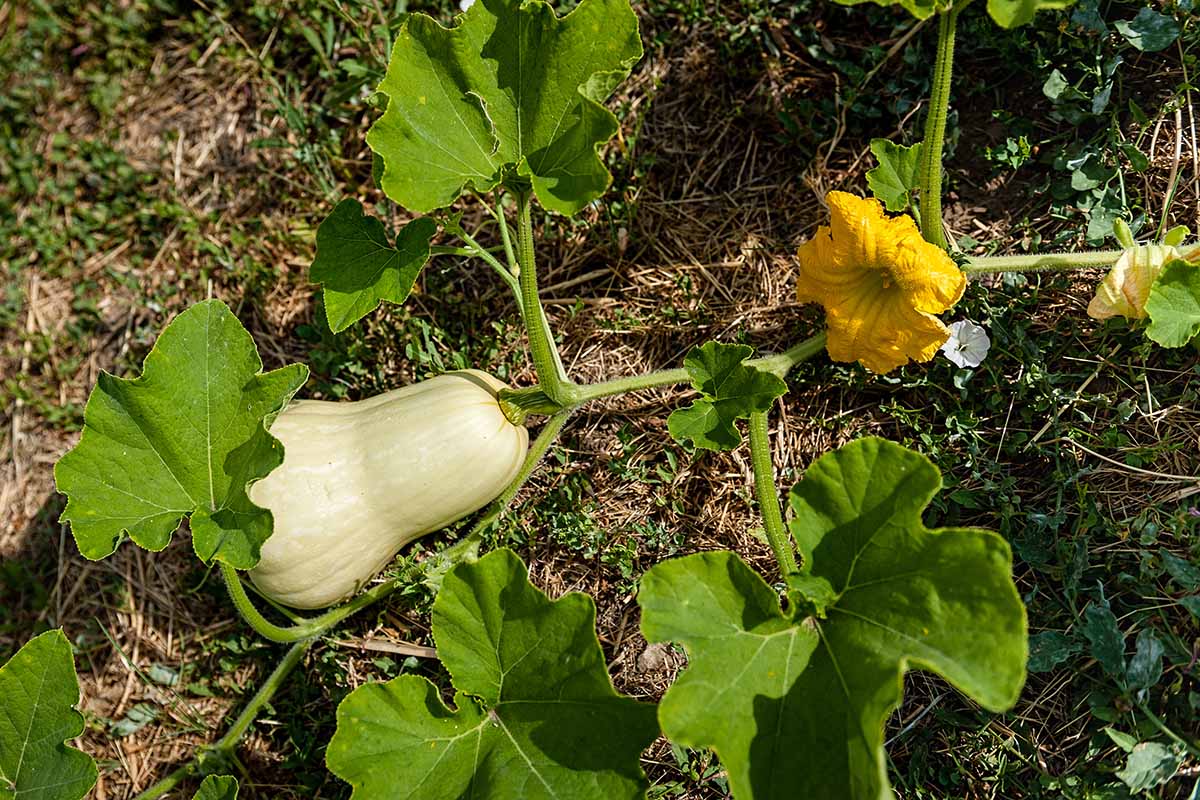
(968, 344)
(463, 5)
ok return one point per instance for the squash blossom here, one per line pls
(1125, 289)
(880, 283)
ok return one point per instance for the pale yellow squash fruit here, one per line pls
(361, 480)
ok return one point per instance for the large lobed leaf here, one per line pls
(897, 174)
(537, 716)
(1173, 304)
(512, 91)
(38, 694)
(1006, 13)
(360, 267)
(183, 439)
(1014, 13)
(794, 702)
(729, 390)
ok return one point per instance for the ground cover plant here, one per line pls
(859, 588)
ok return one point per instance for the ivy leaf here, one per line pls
(1149, 31)
(360, 267)
(894, 180)
(38, 694)
(183, 439)
(1014, 13)
(794, 705)
(218, 787)
(730, 390)
(1174, 305)
(468, 107)
(537, 716)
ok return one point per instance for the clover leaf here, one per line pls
(794, 701)
(360, 267)
(537, 716)
(511, 94)
(896, 176)
(217, 787)
(38, 694)
(1173, 304)
(730, 390)
(184, 439)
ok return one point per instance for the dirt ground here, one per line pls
(713, 197)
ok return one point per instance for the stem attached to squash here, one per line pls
(1051, 262)
(535, 400)
(546, 361)
(316, 626)
(930, 179)
(767, 494)
(221, 750)
(1056, 262)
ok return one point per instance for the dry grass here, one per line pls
(718, 217)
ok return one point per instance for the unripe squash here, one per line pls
(361, 480)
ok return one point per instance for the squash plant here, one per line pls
(792, 674)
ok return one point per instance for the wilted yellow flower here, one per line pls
(1124, 290)
(880, 284)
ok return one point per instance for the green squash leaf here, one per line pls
(1174, 305)
(511, 94)
(537, 716)
(1014, 13)
(795, 705)
(218, 787)
(359, 267)
(183, 439)
(894, 180)
(38, 694)
(730, 390)
(921, 9)
(1007, 13)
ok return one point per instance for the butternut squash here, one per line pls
(360, 480)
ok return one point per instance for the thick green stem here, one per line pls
(1051, 262)
(295, 654)
(534, 397)
(767, 494)
(1055, 262)
(930, 179)
(315, 626)
(223, 748)
(546, 361)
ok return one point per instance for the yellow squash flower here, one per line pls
(1124, 290)
(880, 284)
